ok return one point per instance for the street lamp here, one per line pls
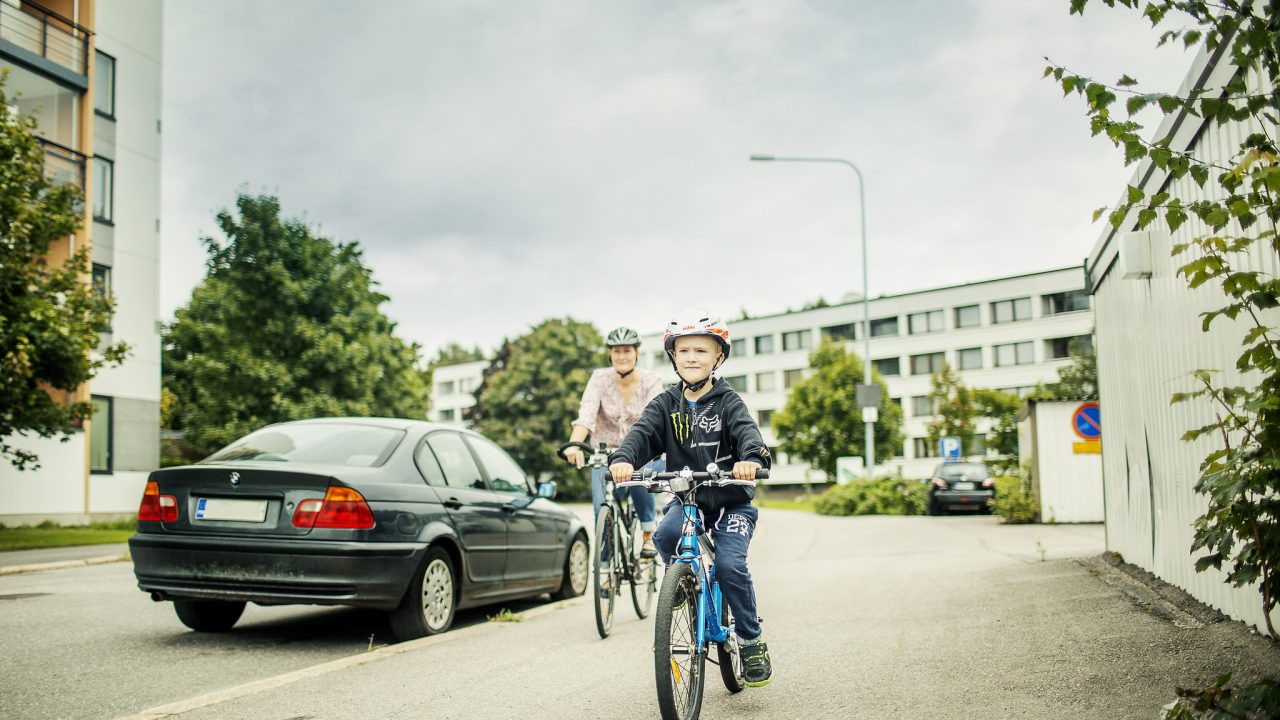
(868, 417)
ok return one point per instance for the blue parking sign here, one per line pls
(949, 448)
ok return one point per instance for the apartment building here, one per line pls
(89, 72)
(1008, 333)
(453, 390)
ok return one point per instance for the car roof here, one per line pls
(394, 423)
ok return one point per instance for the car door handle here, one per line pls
(509, 508)
(453, 503)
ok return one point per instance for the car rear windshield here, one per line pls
(326, 443)
(964, 472)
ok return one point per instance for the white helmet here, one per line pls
(698, 321)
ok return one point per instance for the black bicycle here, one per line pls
(617, 553)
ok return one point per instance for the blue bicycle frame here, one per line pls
(710, 600)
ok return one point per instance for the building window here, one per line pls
(764, 344)
(1021, 391)
(969, 358)
(923, 448)
(968, 316)
(738, 349)
(1022, 353)
(104, 84)
(797, 340)
(765, 417)
(659, 358)
(791, 378)
(1059, 348)
(1065, 302)
(884, 327)
(445, 388)
(466, 385)
(1011, 310)
(738, 383)
(925, 322)
(920, 406)
(926, 364)
(839, 333)
(103, 179)
(101, 281)
(979, 445)
(100, 429)
(888, 367)
(447, 415)
(766, 381)
(55, 107)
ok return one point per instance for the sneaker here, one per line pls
(648, 551)
(756, 669)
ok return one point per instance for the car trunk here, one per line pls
(239, 499)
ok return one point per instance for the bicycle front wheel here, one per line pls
(644, 585)
(729, 654)
(678, 661)
(605, 582)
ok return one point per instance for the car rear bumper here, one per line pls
(274, 572)
(964, 498)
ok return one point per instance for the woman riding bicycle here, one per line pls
(612, 402)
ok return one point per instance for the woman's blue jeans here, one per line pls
(641, 500)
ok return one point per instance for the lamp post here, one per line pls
(870, 456)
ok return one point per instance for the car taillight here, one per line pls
(156, 507)
(342, 507)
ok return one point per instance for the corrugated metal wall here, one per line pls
(1148, 340)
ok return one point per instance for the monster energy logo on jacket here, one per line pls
(717, 429)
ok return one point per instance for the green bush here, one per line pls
(882, 496)
(1014, 500)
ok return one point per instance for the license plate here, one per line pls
(233, 510)
(964, 486)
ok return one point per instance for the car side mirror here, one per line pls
(547, 489)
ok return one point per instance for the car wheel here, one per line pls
(428, 605)
(574, 582)
(208, 615)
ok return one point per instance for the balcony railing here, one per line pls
(62, 164)
(45, 33)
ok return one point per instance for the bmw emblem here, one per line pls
(235, 478)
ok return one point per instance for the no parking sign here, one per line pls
(1086, 421)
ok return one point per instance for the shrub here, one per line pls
(882, 496)
(1014, 500)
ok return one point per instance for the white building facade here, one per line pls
(1149, 342)
(94, 85)
(1008, 333)
(453, 390)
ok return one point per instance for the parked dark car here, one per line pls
(961, 485)
(413, 518)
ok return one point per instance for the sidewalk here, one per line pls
(17, 561)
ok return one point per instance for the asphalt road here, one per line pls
(866, 617)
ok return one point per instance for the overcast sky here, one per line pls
(505, 162)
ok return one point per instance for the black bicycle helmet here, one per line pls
(622, 336)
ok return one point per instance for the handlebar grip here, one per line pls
(762, 474)
(585, 448)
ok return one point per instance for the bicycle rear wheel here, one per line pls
(729, 654)
(605, 583)
(678, 663)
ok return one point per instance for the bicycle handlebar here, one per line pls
(686, 477)
(603, 450)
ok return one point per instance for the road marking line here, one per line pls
(257, 686)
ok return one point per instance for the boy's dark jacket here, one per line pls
(720, 430)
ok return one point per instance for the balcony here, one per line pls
(62, 164)
(46, 34)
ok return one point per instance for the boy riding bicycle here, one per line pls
(698, 422)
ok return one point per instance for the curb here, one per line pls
(1140, 593)
(63, 564)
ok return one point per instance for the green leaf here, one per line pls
(1126, 81)
(1135, 194)
(1200, 174)
(1169, 103)
(1098, 213)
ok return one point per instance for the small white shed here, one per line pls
(1061, 442)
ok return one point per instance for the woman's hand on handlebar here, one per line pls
(574, 456)
(621, 472)
(745, 470)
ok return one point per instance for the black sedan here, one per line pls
(409, 517)
(960, 485)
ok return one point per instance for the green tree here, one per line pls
(50, 315)
(530, 395)
(821, 420)
(455, 354)
(1235, 218)
(955, 410)
(1001, 409)
(286, 325)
